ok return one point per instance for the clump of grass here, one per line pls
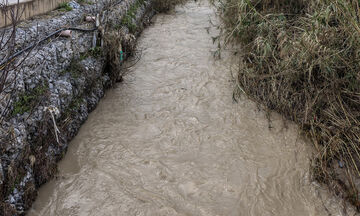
(73, 107)
(95, 52)
(128, 19)
(302, 59)
(129, 23)
(28, 100)
(64, 7)
(76, 69)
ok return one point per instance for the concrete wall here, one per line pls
(29, 7)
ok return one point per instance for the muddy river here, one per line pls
(171, 141)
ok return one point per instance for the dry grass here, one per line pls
(302, 59)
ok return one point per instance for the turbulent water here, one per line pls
(170, 140)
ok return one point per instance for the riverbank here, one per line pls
(60, 80)
(301, 59)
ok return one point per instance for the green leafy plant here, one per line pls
(95, 52)
(28, 100)
(64, 7)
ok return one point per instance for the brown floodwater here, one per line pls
(171, 141)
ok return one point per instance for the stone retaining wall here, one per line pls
(64, 77)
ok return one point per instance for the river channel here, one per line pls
(171, 141)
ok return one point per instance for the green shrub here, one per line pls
(29, 99)
(65, 7)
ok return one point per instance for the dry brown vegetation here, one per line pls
(302, 59)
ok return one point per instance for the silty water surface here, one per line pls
(170, 141)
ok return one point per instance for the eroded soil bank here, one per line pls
(170, 140)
